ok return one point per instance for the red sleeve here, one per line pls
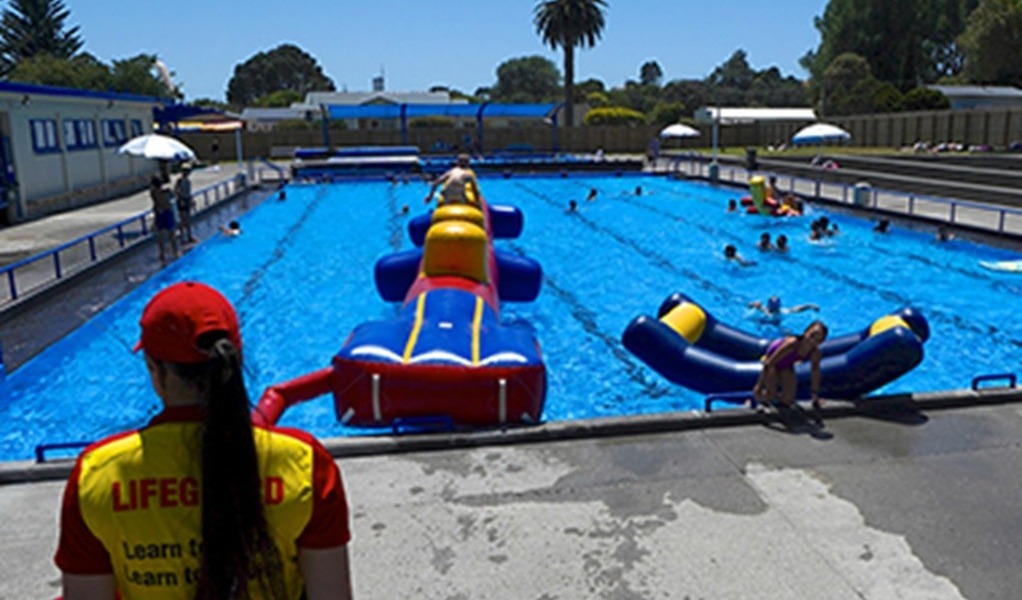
(79, 552)
(328, 526)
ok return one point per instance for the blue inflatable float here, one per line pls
(689, 347)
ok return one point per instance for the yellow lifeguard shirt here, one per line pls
(132, 506)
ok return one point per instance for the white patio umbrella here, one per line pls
(679, 130)
(819, 133)
(156, 146)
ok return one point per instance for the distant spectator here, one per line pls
(183, 199)
(163, 217)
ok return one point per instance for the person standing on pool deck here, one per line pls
(163, 217)
(456, 183)
(200, 503)
(779, 366)
(183, 199)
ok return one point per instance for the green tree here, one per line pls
(729, 82)
(905, 42)
(886, 98)
(278, 99)
(286, 67)
(770, 88)
(949, 19)
(82, 72)
(734, 72)
(29, 28)
(597, 99)
(650, 73)
(690, 92)
(847, 86)
(923, 98)
(735, 82)
(614, 115)
(636, 96)
(993, 54)
(137, 75)
(526, 79)
(85, 72)
(566, 24)
(665, 113)
(589, 86)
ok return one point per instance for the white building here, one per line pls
(980, 96)
(59, 147)
(267, 119)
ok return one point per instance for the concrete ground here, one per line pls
(916, 503)
(910, 498)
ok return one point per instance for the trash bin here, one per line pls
(750, 159)
(863, 194)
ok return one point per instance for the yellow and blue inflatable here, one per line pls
(691, 348)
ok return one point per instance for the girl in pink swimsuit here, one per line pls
(779, 366)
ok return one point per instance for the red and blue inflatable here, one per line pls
(445, 355)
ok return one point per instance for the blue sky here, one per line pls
(458, 43)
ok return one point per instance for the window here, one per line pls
(70, 134)
(44, 135)
(136, 127)
(79, 134)
(114, 133)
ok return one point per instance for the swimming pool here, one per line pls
(301, 278)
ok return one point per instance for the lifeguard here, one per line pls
(199, 503)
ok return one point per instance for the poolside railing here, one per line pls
(39, 271)
(1002, 220)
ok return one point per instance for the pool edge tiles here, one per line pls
(14, 472)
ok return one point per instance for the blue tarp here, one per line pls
(399, 111)
(173, 113)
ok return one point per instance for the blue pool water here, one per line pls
(301, 278)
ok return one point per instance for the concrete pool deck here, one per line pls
(905, 498)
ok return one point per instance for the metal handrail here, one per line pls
(1009, 378)
(847, 195)
(218, 191)
(41, 449)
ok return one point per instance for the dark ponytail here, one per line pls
(239, 557)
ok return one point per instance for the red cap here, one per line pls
(176, 317)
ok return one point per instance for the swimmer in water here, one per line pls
(773, 311)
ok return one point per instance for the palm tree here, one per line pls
(32, 27)
(566, 24)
